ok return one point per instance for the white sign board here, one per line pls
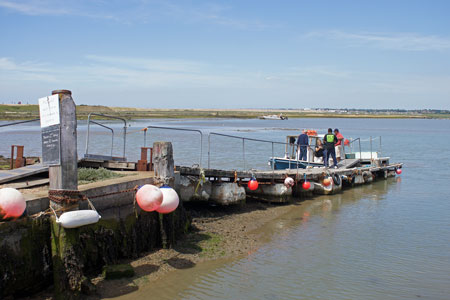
(49, 110)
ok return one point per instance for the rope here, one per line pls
(65, 196)
(72, 197)
(201, 180)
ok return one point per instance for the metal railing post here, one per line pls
(112, 134)
(360, 154)
(110, 117)
(380, 146)
(273, 165)
(193, 130)
(87, 134)
(371, 149)
(124, 138)
(243, 150)
(209, 150)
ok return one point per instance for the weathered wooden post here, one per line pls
(163, 166)
(59, 152)
(163, 162)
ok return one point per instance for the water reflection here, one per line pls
(307, 252)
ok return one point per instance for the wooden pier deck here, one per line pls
(346, 168)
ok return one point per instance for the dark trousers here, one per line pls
(326, 156)
(303, 153)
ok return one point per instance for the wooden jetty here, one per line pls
(272, 189)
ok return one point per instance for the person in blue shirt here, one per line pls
(303, 143)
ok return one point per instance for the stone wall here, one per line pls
(124, 231)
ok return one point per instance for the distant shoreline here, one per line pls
(29, 112)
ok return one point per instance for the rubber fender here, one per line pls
(336, 179)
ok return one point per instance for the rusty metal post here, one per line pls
(11, 165)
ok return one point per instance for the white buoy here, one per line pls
(149, 197)
(78, 218)
(289, 182)
(170, 200)
(12, 203)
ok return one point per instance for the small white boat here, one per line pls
(274, 117)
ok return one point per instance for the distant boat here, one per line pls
(274, 117)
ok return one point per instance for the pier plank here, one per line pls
(10, 175)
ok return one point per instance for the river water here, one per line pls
(387, 240)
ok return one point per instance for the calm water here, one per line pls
(388, 240)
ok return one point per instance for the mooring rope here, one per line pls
(201, 180)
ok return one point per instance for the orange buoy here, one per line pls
(326, 182)
(170, 200)
(149, 197)
(253, 184)
(12, 203)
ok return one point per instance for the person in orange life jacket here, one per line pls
(329, 141)
(302, 142)
(339, 146)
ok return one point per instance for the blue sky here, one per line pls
(228, 54)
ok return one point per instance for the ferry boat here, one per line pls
(353, 157)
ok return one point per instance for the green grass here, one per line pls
(88, 175)
(26, 112)
(212, 246)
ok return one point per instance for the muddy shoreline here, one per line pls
(216, 232)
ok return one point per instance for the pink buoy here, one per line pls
(398, 171)
(170, 200)
(149, 197)
(12, 203)
(253, 184)
(306, 185)
(289, 182)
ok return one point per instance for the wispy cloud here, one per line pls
(143, 11)
(388, 41)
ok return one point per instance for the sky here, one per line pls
(228, 54)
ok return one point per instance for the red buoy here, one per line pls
(170, 200)
(326, 182)
(253, 184)
(12, 203)
(398, 171)
(306, 185)
(149, 197)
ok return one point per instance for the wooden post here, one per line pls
(65, 176)
(67, 265)
(163, 163)
(163, 166)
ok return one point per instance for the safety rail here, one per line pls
(183, 129)
(370, 140)
(17, 123)
(89, 121)
(243, 148)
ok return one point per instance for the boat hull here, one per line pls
(286, 163)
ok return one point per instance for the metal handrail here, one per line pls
(17, 123)
(359, 142)
(112, 134)
(110, 117)
(243, 148)
(185, 129)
